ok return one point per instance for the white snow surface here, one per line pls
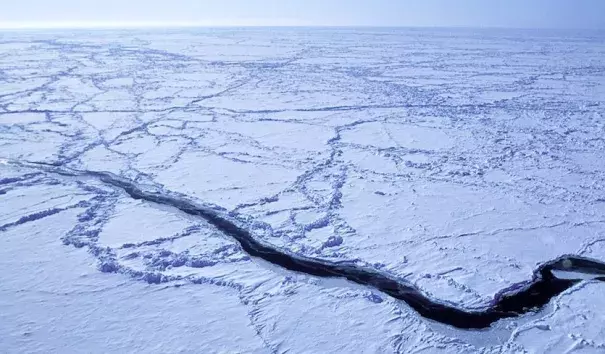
(457, 160)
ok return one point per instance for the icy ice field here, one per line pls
(454, 162)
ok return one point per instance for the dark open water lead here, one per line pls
(530, 296)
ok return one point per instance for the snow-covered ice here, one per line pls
(454, 161)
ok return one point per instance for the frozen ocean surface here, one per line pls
(144, 176)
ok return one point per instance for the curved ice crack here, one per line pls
(549, 280)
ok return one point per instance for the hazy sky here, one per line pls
(481, 13)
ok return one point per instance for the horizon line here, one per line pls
(67, 25)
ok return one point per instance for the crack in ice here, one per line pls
(549, 280)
